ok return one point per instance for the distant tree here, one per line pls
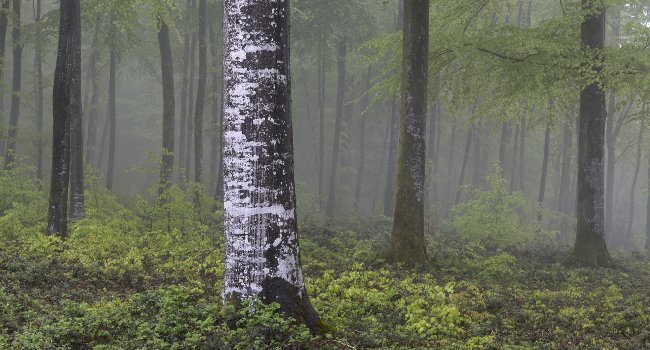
(261, 236)
(200, 93)
(4, 10)
(10, 151)
(590, 247)
(167, 73)
(38, 84)
(66, 105)
(407, 239)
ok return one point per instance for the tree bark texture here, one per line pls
(10, 150)
(4, 10)
(261, 238)
(407, 239)
(91, 111)
(66, 101)
(169, 106)
(590, 247)
(200, 94)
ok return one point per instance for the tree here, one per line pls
(10, 151)
(590, 247)
(407, 239)
(66, 104)
(167, 73)
(261, 236)
(38, 83)
(200, 94)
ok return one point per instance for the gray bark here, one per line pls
(10, 151)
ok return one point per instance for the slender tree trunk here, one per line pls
(4, 10)
(647, 223)
(167, 73)
(321, 119)
(362, 140)
(611, 165)
(515, 167)
(10, 151)
(91, 141)
(215, 143)
(110, 170)
(630, 220)
(520, 164)
(190, 114)
(261, 233)
(200, 94)
(38, 83)
(542, 181)
(340, 96)
(468, 144)
(590, 247)
(66, 102)
(77, 210)
(184, 85)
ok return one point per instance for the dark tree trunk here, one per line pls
(167, 73)
(215, 143)
(630, 220)
(200, 94)
(542, 181)
(77, 210)
(590, 247)
(647, 222)
(407, 242)
(184, 85)
(38, 83)
(10, 151)
(362, 140)
(260, 226)
(340, 101)
(110, 170)
(389, 194)
(611, 165)
(321, 119)
(91, 140)
(66, 102)
(190, 113)
(468, 144)
(4, 10)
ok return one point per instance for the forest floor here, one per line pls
(145, 276)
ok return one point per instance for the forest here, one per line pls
(324, 174)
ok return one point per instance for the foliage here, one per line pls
(498, 219)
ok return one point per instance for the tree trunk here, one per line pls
(4, 10)
(647, 222)
(468, 144)
(200, 94)
(38, 83)
(389, 194)
(10, 151)
(611, 165)
(261, 236)
(630, 220)
(362, 139)
(321, 119)
(190, 114)
(215, 143)
(167, 73)
(110, 170)
(184, 85)
(590, 247)
(407, 242)
(66, 102)
(513, 174)
(77, 210)
(542, 181)
(91, 141)
(340, 96)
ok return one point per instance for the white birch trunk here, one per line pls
(261, 240)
